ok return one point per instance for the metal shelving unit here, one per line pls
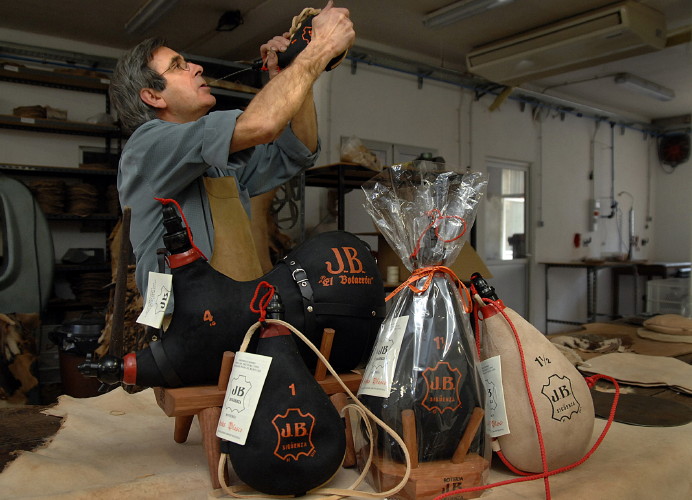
(44, 170)
(16, 73)
(99, 221)
(58, 126)
(340, 176)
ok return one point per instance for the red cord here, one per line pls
(261, 308)
(434, 223)
(541, 444)
(429, 272)
(166, 201)
(590, 381)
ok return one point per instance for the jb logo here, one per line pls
(350, 259)
(295, 429)
(236, 400)
(385, 351)
(162, 300)
(442, 383)
(294, 434)
(559, 392)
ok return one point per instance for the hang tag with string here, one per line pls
(242, 396)
(496, 423)
(159, 290)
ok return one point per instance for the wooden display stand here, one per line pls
(184, 403)
(430, 479)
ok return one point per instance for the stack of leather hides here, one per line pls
(91, 288)
(643, 371)
(121, 445)
(667, 328)
(112, 200)
(40, 112)
(50, 195)
(83, 199)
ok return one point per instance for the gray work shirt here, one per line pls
(168, 160)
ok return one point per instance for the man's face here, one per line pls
(186, 95)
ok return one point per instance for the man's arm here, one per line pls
(304, 123)
(288, 96)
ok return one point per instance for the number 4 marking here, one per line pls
(209, 317)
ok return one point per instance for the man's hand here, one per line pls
(268, 52)
(288, 97)
(333, 28)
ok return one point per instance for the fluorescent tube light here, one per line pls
(148, 15)
(460, 10)
(645, 87)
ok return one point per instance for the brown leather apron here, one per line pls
(262, 226)
(235, 254)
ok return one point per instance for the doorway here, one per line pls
(506, 235)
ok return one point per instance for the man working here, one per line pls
(176, 147)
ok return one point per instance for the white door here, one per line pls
(504, 219)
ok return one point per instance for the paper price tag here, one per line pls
(29, 121)
(10, 67)
(242, 396)
(378, 375)
(158, 294)
(496, 424)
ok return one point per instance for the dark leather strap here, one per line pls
(300, 276)
(161, 359)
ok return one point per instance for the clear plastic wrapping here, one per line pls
(424, 370)
(424, 210)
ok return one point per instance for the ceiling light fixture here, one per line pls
(148, 15)
(645, 87)
(458, 11)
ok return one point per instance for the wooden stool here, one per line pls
(206, 402)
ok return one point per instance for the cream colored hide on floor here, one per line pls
(560, 394)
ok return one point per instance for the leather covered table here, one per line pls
(119, 445)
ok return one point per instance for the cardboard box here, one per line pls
(467, 263)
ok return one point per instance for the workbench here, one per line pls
(592, 268)
(120, 445)
(618, 269)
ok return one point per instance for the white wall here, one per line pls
(673, 220)
(383, 105)
(673, 206)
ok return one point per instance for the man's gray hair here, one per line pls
(131, 75)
